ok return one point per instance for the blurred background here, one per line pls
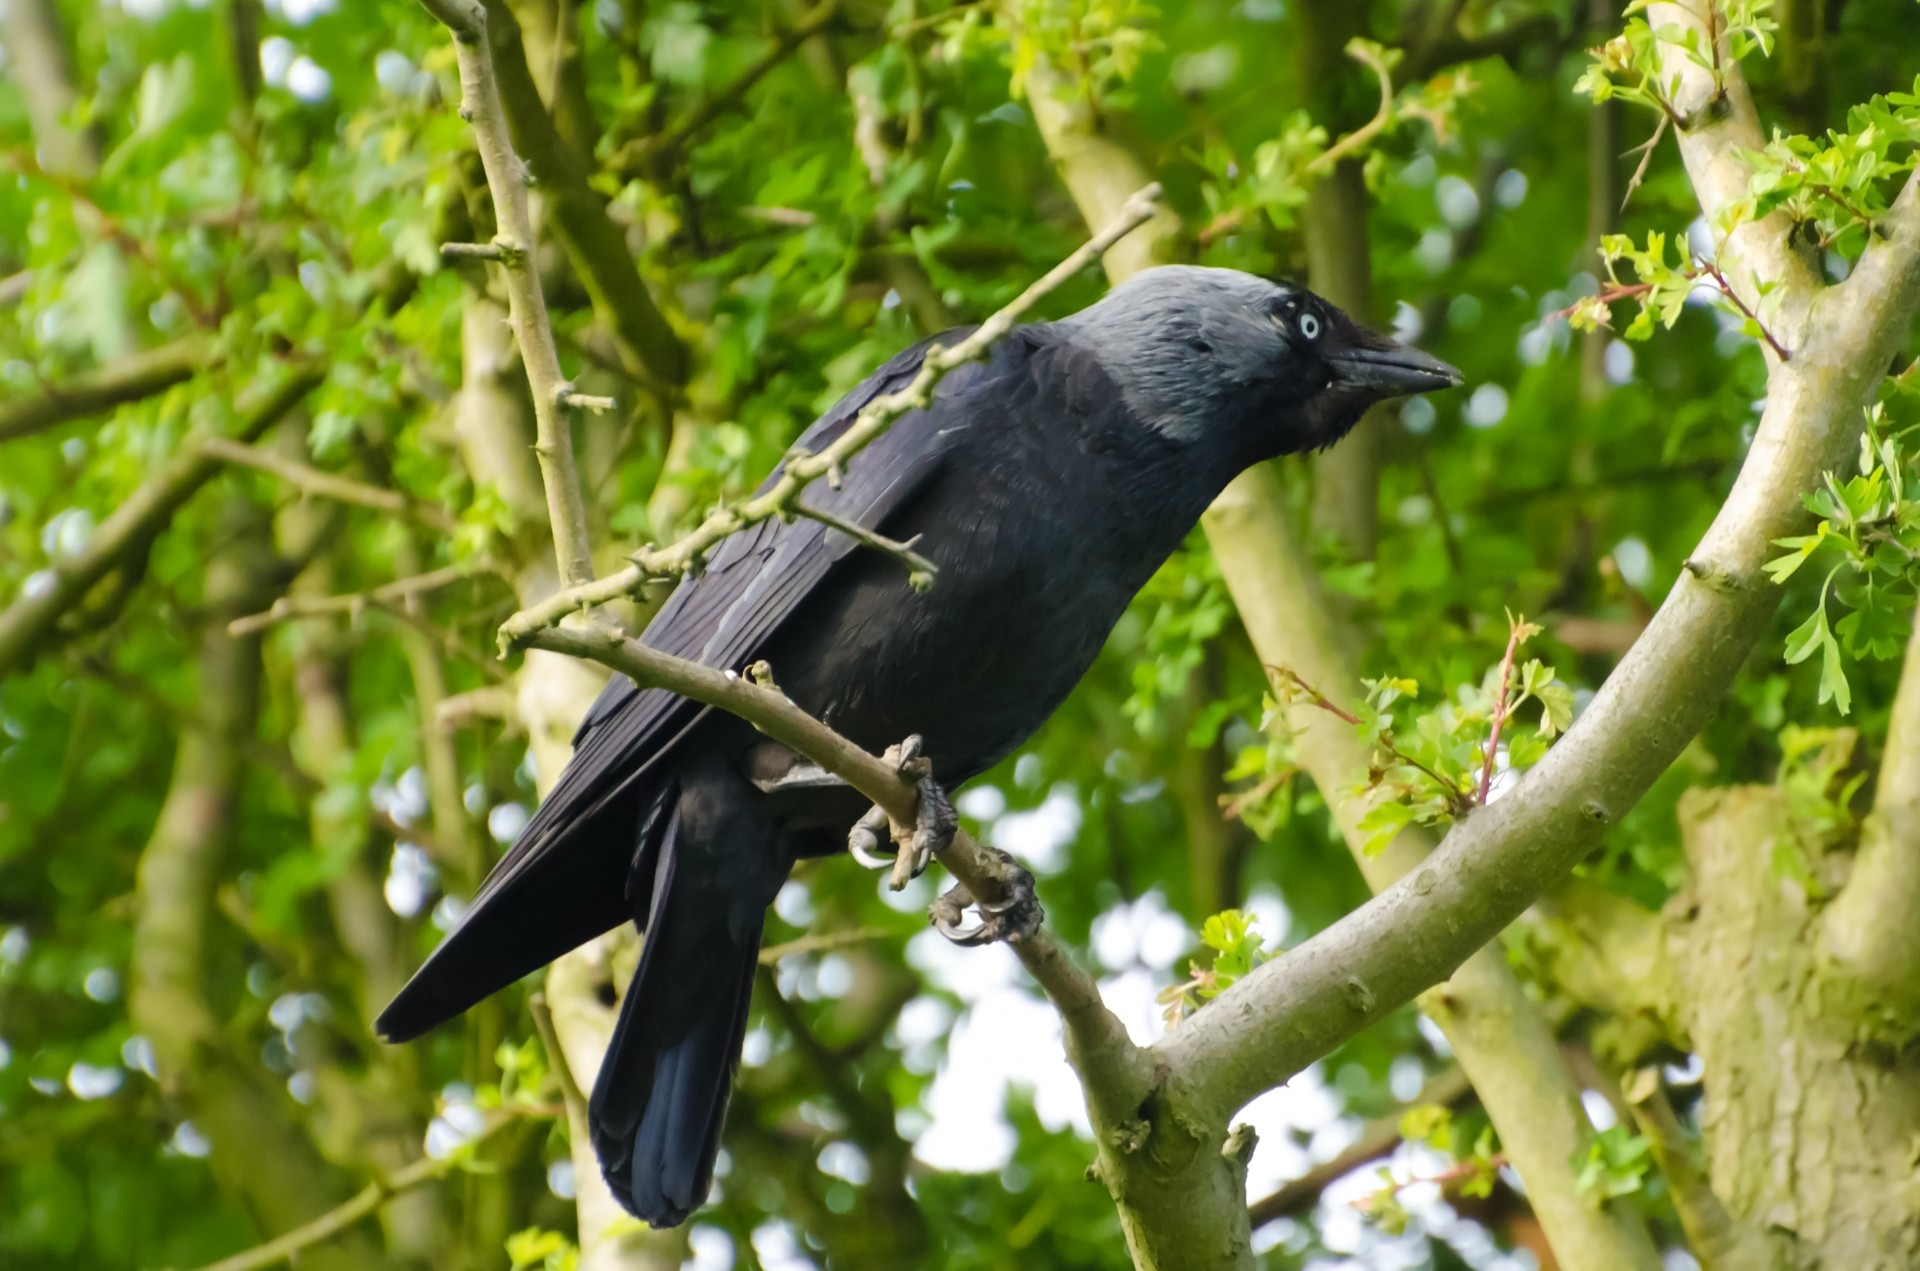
(237, 379)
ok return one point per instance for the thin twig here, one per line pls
(141, 516)
(1234, 806)
(1327, 159)
(338, 1219)
(824, 942)
(1645, 150)
(527, 307)
(130, 379)
(492, 703)
(1499, 710)
(802, 468)
(570, 1092)
(385, 596)
(1295, 1196)
(1385, 740)
(1726, 288)
(913, 26)
(1452, 1174)
(327, 485)
(14, 287)
(1701, 268)
(920, 570)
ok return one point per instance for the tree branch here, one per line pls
(39, 60)
(257, 1155)
(985, 873)
(1501, 1039)
(507, 183)
(27, 621)
(330, 1224)
(1453, 49)
(328, 485)
(1507, 854)
(131, 379)
(802, 469)
(1716, 129)
(1869, 929)
(387, 595)
(1719, 1240)
(647, 346)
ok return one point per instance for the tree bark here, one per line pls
(1810, 1128)
(257, 1154)
(1346, 479)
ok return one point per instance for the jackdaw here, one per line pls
(1046, 482)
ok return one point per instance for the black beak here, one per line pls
(1393, 370)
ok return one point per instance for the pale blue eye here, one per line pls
(1309, 326)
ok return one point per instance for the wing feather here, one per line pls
(754, 581)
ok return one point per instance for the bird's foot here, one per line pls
(1015, 916)
(934, 820)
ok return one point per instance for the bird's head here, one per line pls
(1237, 362)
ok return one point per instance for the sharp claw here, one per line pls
(863, 840)
(1012, 919)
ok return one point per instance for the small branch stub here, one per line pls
(584, 401)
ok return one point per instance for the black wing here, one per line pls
(549, 894)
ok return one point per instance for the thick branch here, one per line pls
(1718, 129)
(1499, 1035)
(1507, 854)
(257, 1156)
(1869, 928)
(38, 59)
(146, 512)
(131, 379)
(597, 246)
(327, 485)
(1455, 49)
(1720, 1241)
(802, 469)
(507, 183)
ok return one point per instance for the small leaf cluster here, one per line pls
(1662, 286)
(1630, 65)
(1432, 774)
(1103, 41)
(1873, 523)
(1285, 167)
(1612, 1163)
(536, 1247)
(1837, 183)
(1237, 946)
(1476, 1164)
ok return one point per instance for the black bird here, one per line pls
(1047, 483)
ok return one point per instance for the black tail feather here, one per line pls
(661, 1097)
(532, 910)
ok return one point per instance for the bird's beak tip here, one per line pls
(1396, 371)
